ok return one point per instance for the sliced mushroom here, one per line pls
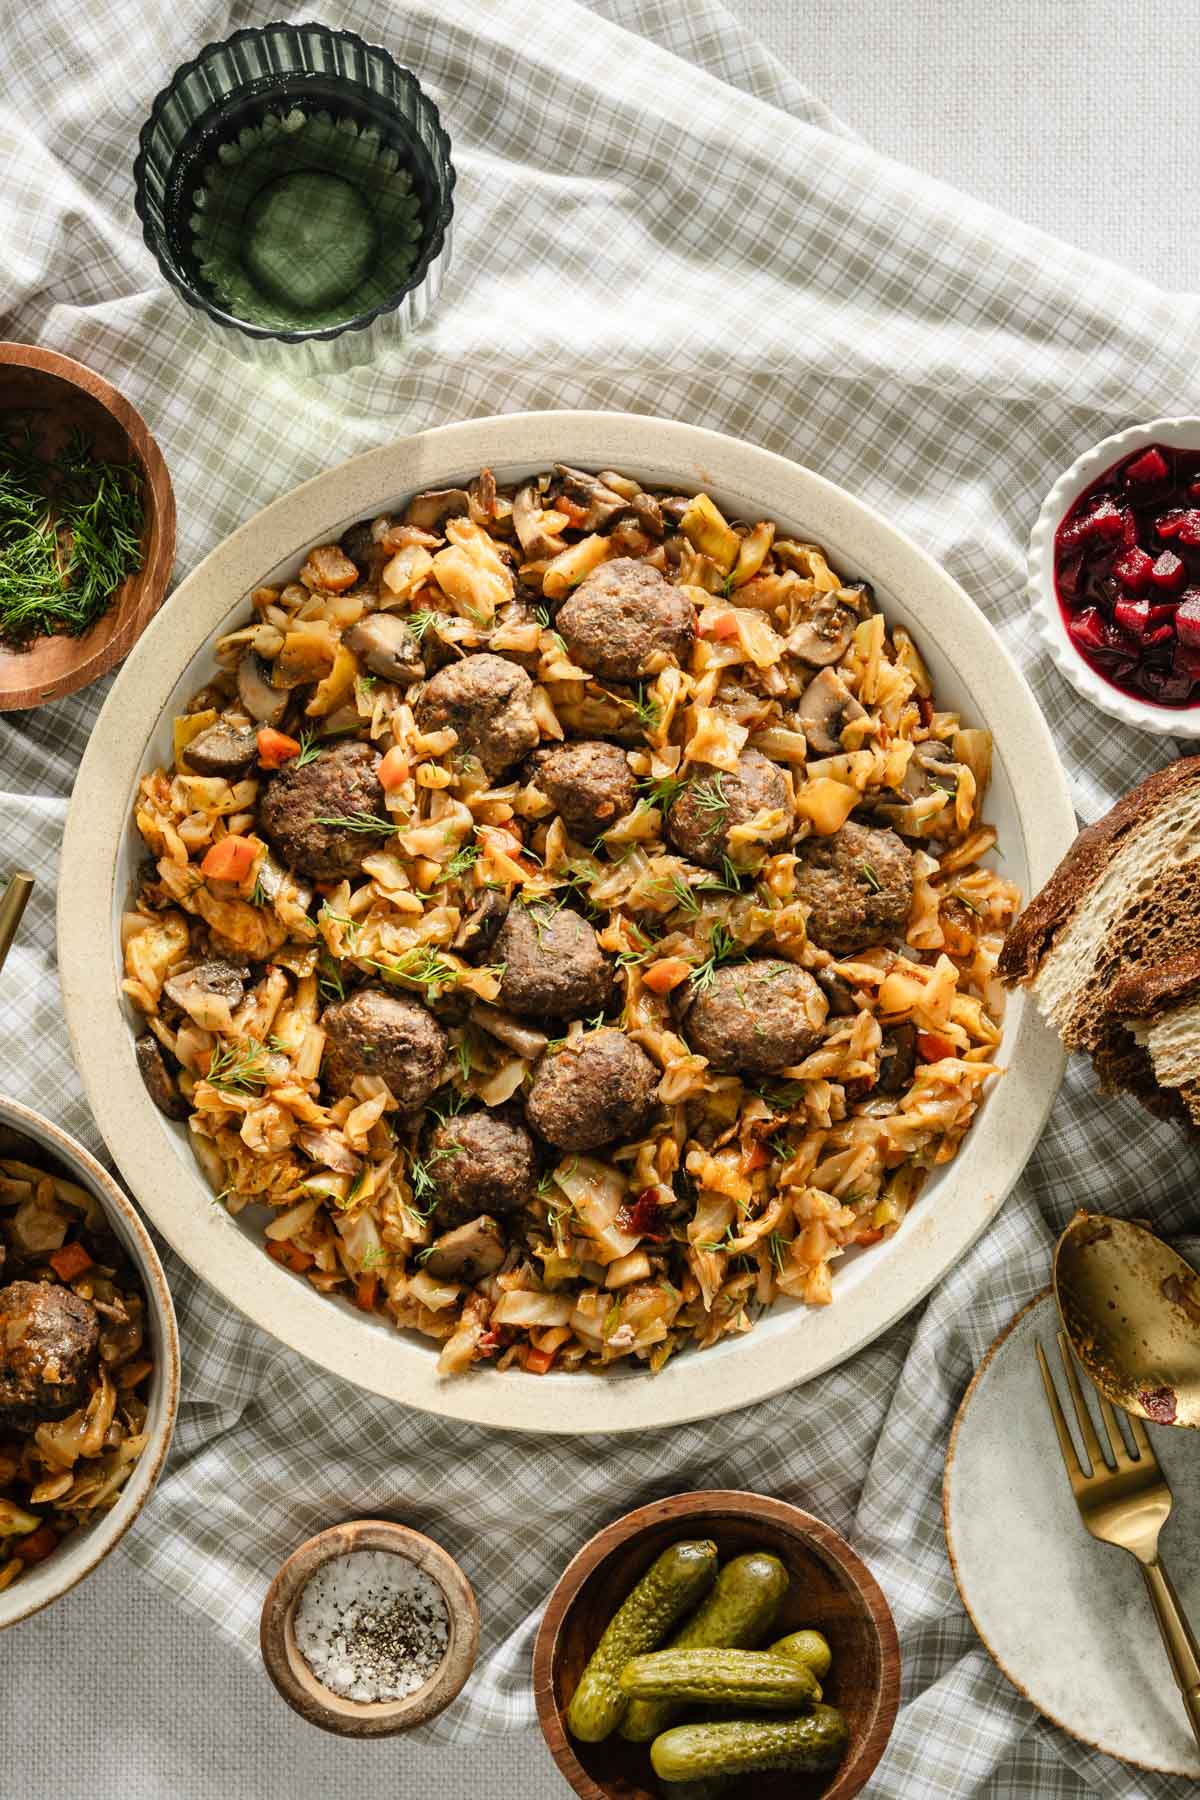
(329, 1148)
(930, 765)
(825, 709)
(535, 542)
(385, 644)
(482, 497)
(649, 514)
(208, 992)
(361, 544)
(260, 697)
(429, 511)
(276, 881)
(603, 506)
(160, 1083)
(480, 928)
(468, 1253)
(501, 1025)
(825, 634)
(673, 506)
(838, 992)
(897, 1059)
(223, 749)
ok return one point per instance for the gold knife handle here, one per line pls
(1178, 1637)
(12, 905)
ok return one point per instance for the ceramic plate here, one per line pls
(1029, 804)
(1067, 1619)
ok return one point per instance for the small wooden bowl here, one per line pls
(296, 1681)
(61, 395)
(832, 1590)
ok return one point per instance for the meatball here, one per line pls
(488, 701)
(625, 620)
(480, 1162)
(590, 785)
(701, 817)
(48, 1342)
(858, 885)
(390, 1035)
(599, 1090)
(553, 966)
(296, 810)
(757, 1017)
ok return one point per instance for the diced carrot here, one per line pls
(932, 1048)
(539, 1361)
(661, 977)
(291, 1256)
(393, 770)
(329, 568)
(365, 1290)
(756, 1157)
(37, 1546)
(721, 625)
(229, 860)
(69, 1262)
(275, 748)
(576, 513)
(870, 1236)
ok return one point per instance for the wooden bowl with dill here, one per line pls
(87, 526)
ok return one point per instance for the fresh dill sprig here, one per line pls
(369, 824)
(664, 791)
(419, 622)
(871, 878)
(310, 749)
(459, 863)
(238, 1068)
(721, 946)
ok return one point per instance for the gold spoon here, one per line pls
(12, 905)
(1131, 1308)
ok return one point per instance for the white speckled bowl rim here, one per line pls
(85, 1549)
(971, 669)
(1164, 721)
(1065, 1618)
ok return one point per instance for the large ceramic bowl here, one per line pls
(84, 1550)
(1029, 804)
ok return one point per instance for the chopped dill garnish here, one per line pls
(663, 792)
(721, 946)
(727, 584)
(424, 1188)
(871, 878)
(258, 895)
(310, 749)
(330, 985)
(370, 824)
(710, 797)
(238, 1068)
(778, 1246)
(70, 534)
(459, 863)
(419, 622)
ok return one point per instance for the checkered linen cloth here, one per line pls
(652, 216)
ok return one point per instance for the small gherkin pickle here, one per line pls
(737, 1614)
(750, 1678)
(744, 1746)
(671, 1586)
(811, 1647)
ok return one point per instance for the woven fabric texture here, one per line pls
(652, 216)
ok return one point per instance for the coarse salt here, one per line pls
(372, 1626)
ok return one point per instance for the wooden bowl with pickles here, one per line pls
(781, 1654)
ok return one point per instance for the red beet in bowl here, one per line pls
(1115, 575)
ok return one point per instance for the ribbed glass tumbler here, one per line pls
(295, 186)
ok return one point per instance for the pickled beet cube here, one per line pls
(1167, 524)
(1132, 570)
(1104, 522)
(1151, 465)
(1168, 571)
(1189, 529)
(1187, 621)
(1089, 631)
(1155, 636)
(1132, 615)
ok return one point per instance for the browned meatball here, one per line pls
(714, 801)
(590, 785)
(389, 1035)
(858, 885)
(48, 1341)
(756, 1017)
(480, 1162)
(553, 966)
(625, 620)
(488, 701)
(599, 1090)
(302, 803)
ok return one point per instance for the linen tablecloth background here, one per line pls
(651, 216)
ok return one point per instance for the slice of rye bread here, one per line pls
(1110, 948)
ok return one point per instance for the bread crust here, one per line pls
(1033, 934)
(1157, 988)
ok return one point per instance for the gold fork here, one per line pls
(1125, 1501)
